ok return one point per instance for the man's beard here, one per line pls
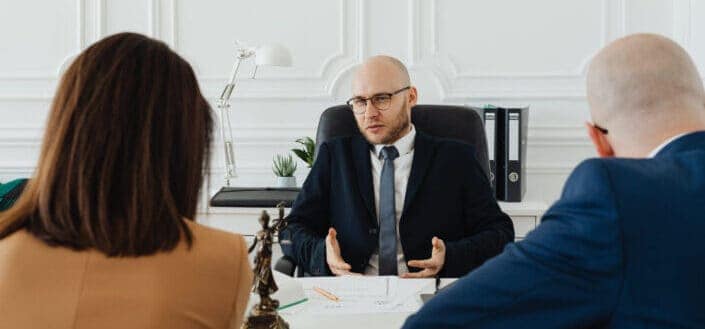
(400, 127)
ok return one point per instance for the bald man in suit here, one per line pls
(393, 201)
(621, 248)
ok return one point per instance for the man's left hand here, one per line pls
(431, 266)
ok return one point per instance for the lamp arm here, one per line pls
(226, 130)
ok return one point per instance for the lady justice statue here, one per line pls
(264, 314)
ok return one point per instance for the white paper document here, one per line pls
(362, 295)
(290, 292)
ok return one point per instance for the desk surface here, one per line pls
(366, 321)
(298, 317)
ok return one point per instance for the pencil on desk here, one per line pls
(326, 294)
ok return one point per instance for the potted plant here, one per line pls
(284, 168)
(306, 152)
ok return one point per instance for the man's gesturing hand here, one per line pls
(335, 261)
(430, 266)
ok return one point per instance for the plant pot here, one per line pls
(286, 181)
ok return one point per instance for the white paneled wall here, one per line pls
(505, 52)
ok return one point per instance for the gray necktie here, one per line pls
(387, 214)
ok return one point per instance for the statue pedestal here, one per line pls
(264, 319)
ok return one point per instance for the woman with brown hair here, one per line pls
(103, 235)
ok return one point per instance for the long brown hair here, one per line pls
(124, 152)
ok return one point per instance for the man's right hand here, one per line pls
(335, 261)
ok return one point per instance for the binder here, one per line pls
(513, 166)
(490, 122)
(501, 137)
(506, 130)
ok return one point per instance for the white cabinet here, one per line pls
(525, 216)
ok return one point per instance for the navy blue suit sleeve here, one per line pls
(304, 237)
(492, 229)
(567, 273)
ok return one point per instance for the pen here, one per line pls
(438, 283)
(326, 294)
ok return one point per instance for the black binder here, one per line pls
(489, 118)
(506, 130)
(513, 132)
(500, 152)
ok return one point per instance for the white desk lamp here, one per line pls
(275, 55)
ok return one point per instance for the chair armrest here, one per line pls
(285, 265)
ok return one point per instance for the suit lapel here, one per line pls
(363, 168)
(423, 153)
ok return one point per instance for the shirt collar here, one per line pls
(404, 145)
(664, 144)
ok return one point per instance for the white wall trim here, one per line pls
(154, 19)
(343, 53)
(82, 33)
(425, 53)
(682, 22)
(264, 108)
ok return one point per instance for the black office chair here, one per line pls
(446, 121)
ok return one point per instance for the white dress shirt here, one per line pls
(402, 170)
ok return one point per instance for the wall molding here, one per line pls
(351, 46)
(154, 14)
(453, 84)
(258, 170)
(682, 22)
(85, 27)
(613, 26)
(92, 22)
(556, 137)
(275, 134)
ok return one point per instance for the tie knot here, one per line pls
(389, 152)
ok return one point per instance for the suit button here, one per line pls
(373, 231)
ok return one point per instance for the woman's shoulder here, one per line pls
(209, 236)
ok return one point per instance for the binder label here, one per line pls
(489, 134)
(514, 138)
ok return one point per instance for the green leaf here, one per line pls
(306, 154)
(301, 154)
(283, 166)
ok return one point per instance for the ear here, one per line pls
(413, 96)
(599, 140)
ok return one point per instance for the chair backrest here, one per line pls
(445, 121)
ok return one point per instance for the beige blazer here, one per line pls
(55, 287)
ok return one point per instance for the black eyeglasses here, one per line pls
(602, 130)
(379, 101)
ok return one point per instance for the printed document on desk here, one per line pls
(363, 294)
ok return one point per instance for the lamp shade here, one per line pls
(274, 55)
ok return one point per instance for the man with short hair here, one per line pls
(622, 247)
(393, 201)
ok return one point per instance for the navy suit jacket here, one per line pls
(622, 248)
(448, 196)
